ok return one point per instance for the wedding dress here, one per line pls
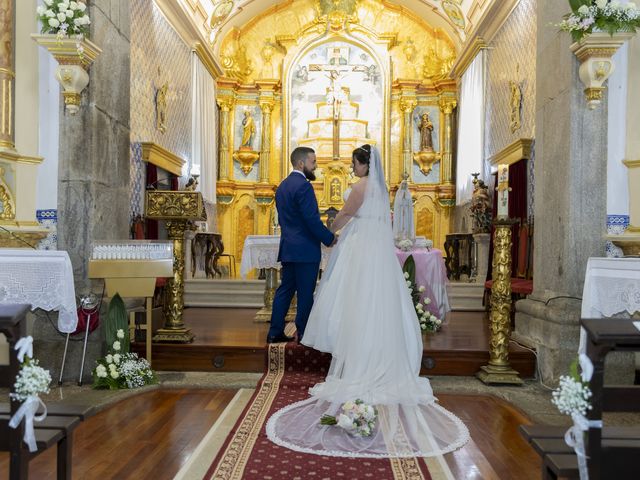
(364, 316)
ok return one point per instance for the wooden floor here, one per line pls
(152, 435)
(228, 339)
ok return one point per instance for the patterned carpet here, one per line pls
(248, 454)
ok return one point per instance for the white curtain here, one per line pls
(470, 128)
(204, 140)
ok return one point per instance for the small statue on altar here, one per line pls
(480, 206)
(404, 232)
(248, 129)
(426, 130)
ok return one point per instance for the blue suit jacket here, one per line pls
(299, 218)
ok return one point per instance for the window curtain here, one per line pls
(204, 139)
(470, 128)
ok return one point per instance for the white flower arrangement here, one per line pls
(64, 18)
(31, 381)
(588, 16)
(428, 321)
(356, 418)
(572, 396)
(122, 370)
(405, 245)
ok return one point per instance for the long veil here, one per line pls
(364, 316)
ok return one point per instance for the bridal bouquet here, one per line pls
(122, 370)
(357, 418)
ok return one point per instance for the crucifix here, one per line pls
(335, 96)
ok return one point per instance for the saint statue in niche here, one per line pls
(161, 108)
(248, 129)
(426, 129)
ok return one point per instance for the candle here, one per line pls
(503, 191)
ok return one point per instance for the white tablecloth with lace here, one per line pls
(611, 288)
(41, 278)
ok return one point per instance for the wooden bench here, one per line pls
(611, 451)
(54, 430)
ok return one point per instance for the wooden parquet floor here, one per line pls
(150, 436)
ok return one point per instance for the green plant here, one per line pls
(117, 320)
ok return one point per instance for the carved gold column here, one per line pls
(407, 106)
(447, 105)
(7, 75)
(225, 105)
(499, 370)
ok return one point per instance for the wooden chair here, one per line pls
(54, 430)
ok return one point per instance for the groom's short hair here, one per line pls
(300, 154)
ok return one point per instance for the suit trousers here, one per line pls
(300, 278)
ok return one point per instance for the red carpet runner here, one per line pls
(248, 454)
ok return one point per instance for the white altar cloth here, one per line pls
(41, 278)
(611, 286)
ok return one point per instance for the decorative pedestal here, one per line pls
(481, 245)
(499, 370)
(74, 59)
(425, 160)
(178, 209)
(595, 54)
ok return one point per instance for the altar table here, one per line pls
(261, 251)
(41, 278)
(432, 274)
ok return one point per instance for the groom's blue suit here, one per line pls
(302, 231)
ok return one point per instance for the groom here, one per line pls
(302, 232)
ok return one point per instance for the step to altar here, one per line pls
(232, 293)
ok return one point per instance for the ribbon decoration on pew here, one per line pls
(28, 411)
(575, 439)
(24, 346)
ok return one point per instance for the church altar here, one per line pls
(432, 274)
(261, 251)
(41, 278)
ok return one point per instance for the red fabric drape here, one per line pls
(518, 173)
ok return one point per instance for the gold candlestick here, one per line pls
(499, 370)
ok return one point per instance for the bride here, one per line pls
(364, 316)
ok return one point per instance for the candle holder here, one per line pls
(499, 370)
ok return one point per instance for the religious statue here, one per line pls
(480, 206)
(248, 129)
(403, 224)
(426, 129)
(515, 102)
(161, 107)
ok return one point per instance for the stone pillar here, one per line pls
(93, 171)
(225, 107)
(481, 241)
(570, 205)
(447, 105)
(7, 75)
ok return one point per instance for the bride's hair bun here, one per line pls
(362, 154)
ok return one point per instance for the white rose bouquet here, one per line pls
(608, 16)
(122, 370)
(356, 418)
(64, 18)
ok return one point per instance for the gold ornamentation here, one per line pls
(221, 11)
(71, 98)
(7, 203)
(247, 158)
(248, 129)
(226, 104)
(594, 94)
(499, 370)
(237, 64)
(174, 205)
(515, 103)
(426, 160)
(447, 105)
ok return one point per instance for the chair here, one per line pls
(230, 256)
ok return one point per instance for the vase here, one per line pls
(74, 58)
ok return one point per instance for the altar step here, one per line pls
(231, 293)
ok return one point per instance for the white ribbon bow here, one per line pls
(24, 346)
(28, 411)
(574, 437)
(586, 366)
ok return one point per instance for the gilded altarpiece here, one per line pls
(333, 76)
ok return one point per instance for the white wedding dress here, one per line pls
(364, 316)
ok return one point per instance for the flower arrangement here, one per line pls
(357, 418)
(428, 321)
(122, 370)
(64, 18)
(608, 16)
(405, 245)
(32, 380)
(573, 394)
